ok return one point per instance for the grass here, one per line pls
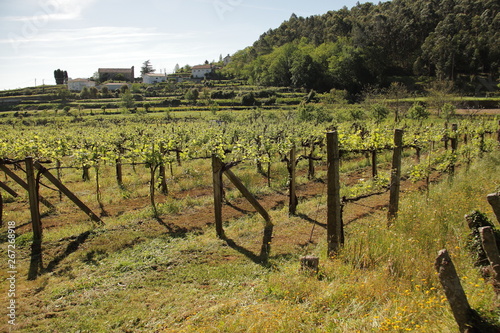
(132, 275)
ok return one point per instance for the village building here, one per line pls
(126, 74)
(152, 78)
(79, 84)
(200, 71)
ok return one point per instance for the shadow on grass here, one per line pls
(36, 265)
(72, 247)
(310, 220)
(174, 231)
(241, 210)
(260, 259)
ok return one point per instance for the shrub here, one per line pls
(379, 112)
(418, 111)
(448, 111)
(270, 101)
(221, 94)
(171, 102)
(264, 93)
(192, 95)
(308, 112)
(248, 99)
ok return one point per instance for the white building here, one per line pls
(79, 84)
(200, 71)
(152, 78)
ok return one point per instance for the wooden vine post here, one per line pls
(334, 220)
(60, 186)
(498, 133)
(1, 209)
(454, 138)
(395, 176)
(454, 145)
(36, 223)
(453, 290)
(494, 201)
(24, 185)
(292, 208)
(119, 172)
(8, 190)
(490, 248)
(217, 170)
(311, 173)
(268, 228)
(163, 173)
(374, 163)
(33, 199)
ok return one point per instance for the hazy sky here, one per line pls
(80, 36)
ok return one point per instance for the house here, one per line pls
(200, 71)
(152, 78)
(126, 74)
(226, 60)
(79, 84)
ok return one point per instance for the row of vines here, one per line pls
(104, 143)
(159, 143)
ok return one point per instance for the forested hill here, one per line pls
(369, 44)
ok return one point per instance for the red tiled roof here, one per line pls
(202, 67)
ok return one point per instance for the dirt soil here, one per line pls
(478, 111)
(198, 217)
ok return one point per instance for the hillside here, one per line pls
(371, 44)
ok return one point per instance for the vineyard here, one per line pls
(150, 187)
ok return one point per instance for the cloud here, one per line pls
(54, 10)
(102, 35)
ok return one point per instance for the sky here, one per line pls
(80, 36)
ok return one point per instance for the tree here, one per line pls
(418, 111)
(248, 99)
(380, 112)
(105, 92)
(192, 95)
(127, 100)
(85, 93)
(119, 77)
(93, 92)
(439, 94)
(305, 73)
(147, 106)
(397, 91)
(147, 68)
(64, 94)
(61, 76)
(124, 88)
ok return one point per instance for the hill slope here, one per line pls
(369, 43)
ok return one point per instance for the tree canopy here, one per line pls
(369, 44)
(147, 68)
(60, 76)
